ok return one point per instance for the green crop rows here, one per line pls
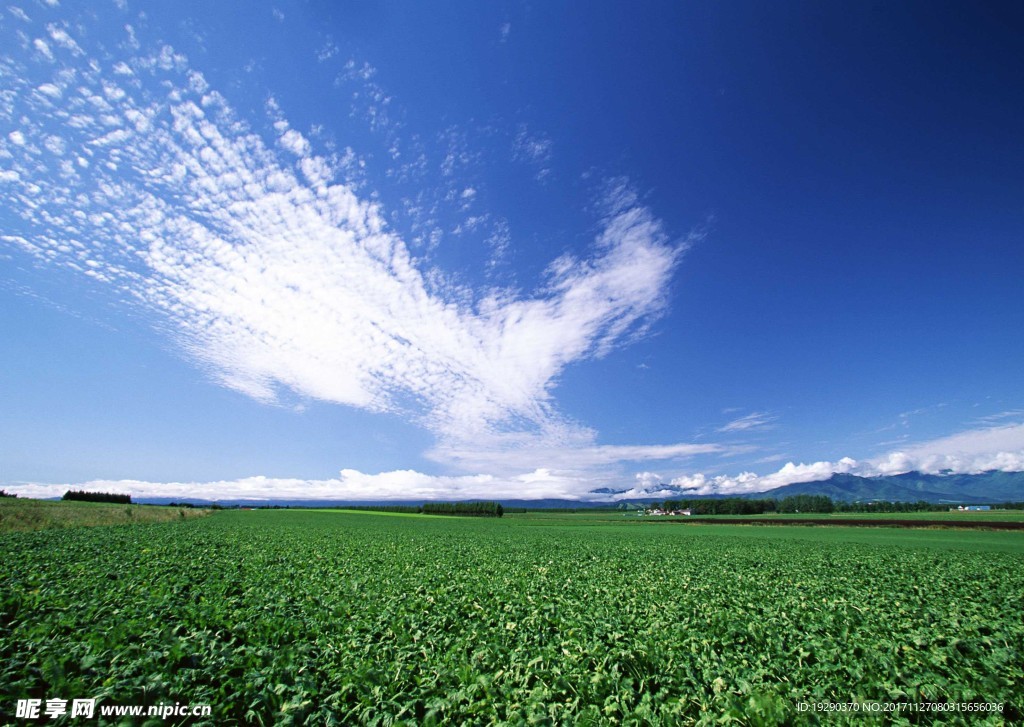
(281, 617)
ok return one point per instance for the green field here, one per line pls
(299, 617)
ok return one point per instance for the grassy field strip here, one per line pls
(344, 511)
(20, 514)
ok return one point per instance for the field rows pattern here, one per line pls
(289, 617)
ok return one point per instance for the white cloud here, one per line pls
(646, 480)
(328, 51)
(756, 420)
(295, 142)
(971, 452)
(355, 71)
(1001, 416)
(575, 475)
(49, 89)
(61, 38)
(569, 450)
(350, 485)
(274, 278)
(43, 48)
(977, 450)
(499, 242)
(531, 147)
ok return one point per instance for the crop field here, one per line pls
(292, 617)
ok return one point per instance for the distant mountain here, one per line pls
(851, 488)
(984, 488)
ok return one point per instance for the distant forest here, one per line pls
(83, 496)
(475, 509)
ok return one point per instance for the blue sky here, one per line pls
(360, 250)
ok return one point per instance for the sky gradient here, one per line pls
(384, 250)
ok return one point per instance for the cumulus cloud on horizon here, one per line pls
(974, 451)
(969, 452)
(350, 485)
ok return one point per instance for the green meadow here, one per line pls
(334, 617)
(21, 514)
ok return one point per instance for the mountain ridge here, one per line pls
(983, 488)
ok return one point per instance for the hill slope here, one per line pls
(986, 487)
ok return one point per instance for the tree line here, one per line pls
(485, 508)
(83, 496)
(743, 506)
(478, 509)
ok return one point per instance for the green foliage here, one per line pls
(805, 503)
(722, 506)
(291, 617)
(479, 509)
(83, 496)
(744, 506)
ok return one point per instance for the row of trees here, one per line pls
(479, 509)
(83, 496)
(742, 506)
